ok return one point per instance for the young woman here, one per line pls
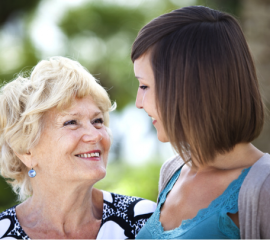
(198, 83)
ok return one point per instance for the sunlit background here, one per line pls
(99, 34)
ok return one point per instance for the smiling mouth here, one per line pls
(153, 120)
(89, 155)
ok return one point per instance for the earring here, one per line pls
(32, 173)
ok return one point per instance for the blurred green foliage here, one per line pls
(9, 8)
(7, 196)
(100, 37)
(110, 30)
(140, 181)
(15, 18)
(230, 6)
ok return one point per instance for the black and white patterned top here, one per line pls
(123, 217)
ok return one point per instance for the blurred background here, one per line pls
(99, 34)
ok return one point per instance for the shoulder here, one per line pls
(136, 206)
(263, 216)
(168, 169)
(124, 215)
(9, 225)
(264, 191)
(254, 207)
(7, 212)
(258, 174)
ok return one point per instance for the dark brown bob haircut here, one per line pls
(206, 86)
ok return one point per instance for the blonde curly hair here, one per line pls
(23, 102)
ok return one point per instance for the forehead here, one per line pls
(143, 67)
(80, 107)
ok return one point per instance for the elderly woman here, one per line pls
(198, 82)
(54, 148)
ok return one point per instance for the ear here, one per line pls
(27, 159)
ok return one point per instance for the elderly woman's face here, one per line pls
(74, 143)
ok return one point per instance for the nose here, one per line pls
(92, 135)
(139, 100)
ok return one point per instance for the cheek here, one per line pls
(106, 140)
(139, 97)
(148, 100)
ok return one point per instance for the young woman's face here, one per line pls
(146, 93)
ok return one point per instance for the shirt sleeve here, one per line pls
(254, 211)
(264, 209)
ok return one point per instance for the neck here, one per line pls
(65, 208)
(243, 155)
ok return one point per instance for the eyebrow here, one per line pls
(69, 114)
(79, 114)
(96, 114)
(138, 77)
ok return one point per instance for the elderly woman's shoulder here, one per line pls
(136, 205)
(124, 214)
(9, 225)
(9, 215)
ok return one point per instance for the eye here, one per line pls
(143, 87)
(71, 122)
(98, 122)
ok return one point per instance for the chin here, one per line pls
(99, 173)
(162, 138)
(96, 174)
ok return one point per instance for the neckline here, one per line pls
(188, 223)
(24, 234)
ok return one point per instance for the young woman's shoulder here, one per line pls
(167, 170)
(254, 205)
(258, 174)
(123, 216)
